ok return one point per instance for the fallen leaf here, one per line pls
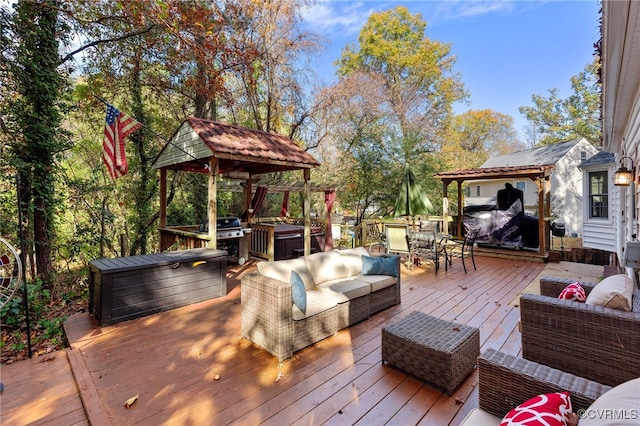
(459, 401)
(463, 287)
(280, 376)
(456, 328)
(216, 377)
(129, 402)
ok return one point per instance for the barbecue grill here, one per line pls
(558, 229)
(228, 234)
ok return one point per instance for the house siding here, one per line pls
(600, 233)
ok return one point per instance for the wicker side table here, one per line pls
(438, 351)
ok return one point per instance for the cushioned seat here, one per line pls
(290, 304)
(593, 339)
(347, 288)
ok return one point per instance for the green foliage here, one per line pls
(52, 329)
(34, 112)
(13, 313)
(398, 88)
(578, 116)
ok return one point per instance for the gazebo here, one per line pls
(540, 175)
(215, 148)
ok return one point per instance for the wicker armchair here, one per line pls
(593, 342)
(506, 381)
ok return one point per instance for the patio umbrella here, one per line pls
(411, 200)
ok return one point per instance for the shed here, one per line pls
(212, 147)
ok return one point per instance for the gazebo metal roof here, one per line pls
(236, 149)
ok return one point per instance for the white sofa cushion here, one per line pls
(478, 417)
(618, 406)
(318, 300)
(347, 288)
(325, 266)
(613, 292)
(352, 259)
(281, 270)
(378, 282)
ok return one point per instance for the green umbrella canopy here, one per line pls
(411, 200)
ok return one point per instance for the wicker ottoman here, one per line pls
(437, 351)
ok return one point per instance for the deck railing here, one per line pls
(262, 240)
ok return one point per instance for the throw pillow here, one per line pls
(325, 266)
(298, 292)
(549, 409)
(573, 291)
(618, 406)
(613, 292)
(352, 259)
(380, 265)
(281, 270)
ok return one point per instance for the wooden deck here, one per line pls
(190, 366)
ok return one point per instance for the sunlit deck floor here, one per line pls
(190, 366)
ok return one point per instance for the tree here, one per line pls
(268, 91)
(391, 104)
(476, 135)
(578, 116)
(32, 62)
(418, 85)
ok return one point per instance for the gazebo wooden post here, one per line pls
(445, 206)
(246, 197)
(460, 216)
(163, 197)
(547, 211)
(307, 212)
(544, 201)
(213, 202)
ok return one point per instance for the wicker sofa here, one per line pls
(339, 294)
(505, 381)
(598, 343)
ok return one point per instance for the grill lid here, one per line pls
(228, 223)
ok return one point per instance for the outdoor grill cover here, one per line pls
(508, 227)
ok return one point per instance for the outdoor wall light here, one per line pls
(624, 176)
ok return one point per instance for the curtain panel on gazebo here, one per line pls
(258, 200)
(329, 199)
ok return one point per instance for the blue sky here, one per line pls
(506, 50)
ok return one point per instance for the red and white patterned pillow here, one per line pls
(573, 291)
(549, 409)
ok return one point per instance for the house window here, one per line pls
(598, 195)
(522, 186)
(583, 155)
(477, 190)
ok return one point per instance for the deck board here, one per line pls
(172, 359)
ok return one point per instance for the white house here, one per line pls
(620, 77)
(566, 181)
(600, 197)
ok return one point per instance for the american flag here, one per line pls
(118, 126)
